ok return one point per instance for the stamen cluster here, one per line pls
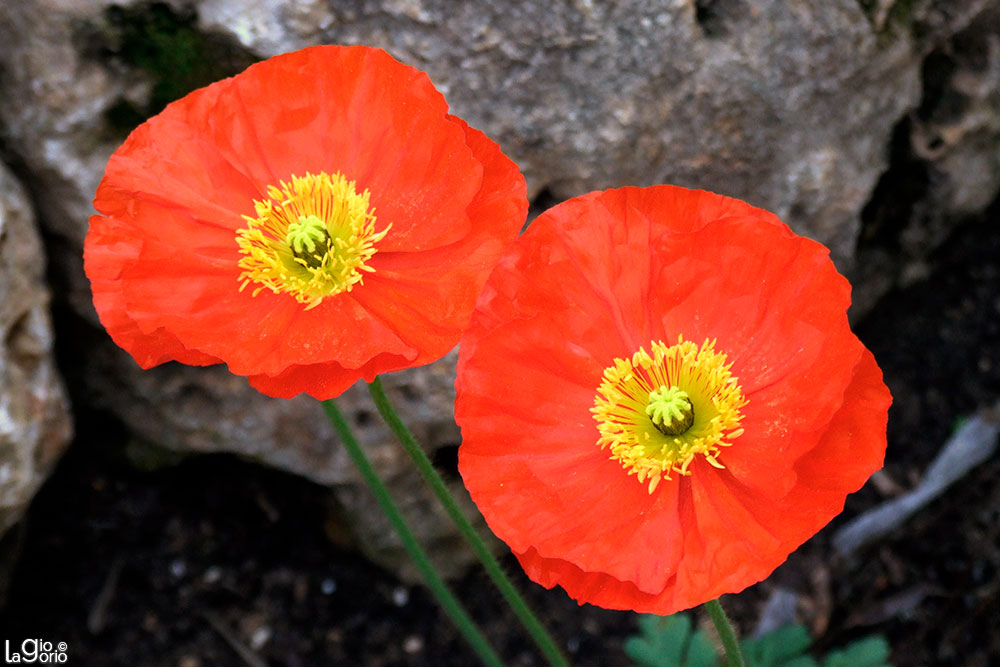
(659, 409)
(310, 239)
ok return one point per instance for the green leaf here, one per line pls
(868, 652)
(669, 642)
(784, 647)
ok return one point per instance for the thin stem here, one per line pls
(520, 608)
(451, 605)
(726, 633)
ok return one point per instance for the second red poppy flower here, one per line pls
(660, 397)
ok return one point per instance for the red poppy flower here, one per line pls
(660, 397)
(317, 219)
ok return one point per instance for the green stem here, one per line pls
(520, 608)
(444, 596)
(726, 633)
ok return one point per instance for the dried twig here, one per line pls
(97, 618)
(974, 442)
(244, 651)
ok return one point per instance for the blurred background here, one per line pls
(177, 517)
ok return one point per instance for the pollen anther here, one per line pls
(312, 238)
(660, 409)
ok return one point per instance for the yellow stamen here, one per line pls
(658, 410)
(311, 239)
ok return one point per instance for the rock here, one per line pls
(943, 167)
(51, 116)
(64, 97)
(957, 130)
(792, 106)
(790, 110)
(203, 410)
(35, 423)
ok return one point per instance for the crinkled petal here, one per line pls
(737, 537)
(597, 277)
(106, 252)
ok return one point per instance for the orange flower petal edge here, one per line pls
(660, 397)
(315, 220)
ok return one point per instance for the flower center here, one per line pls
(670, 410)
(311, 239)
(658, 410)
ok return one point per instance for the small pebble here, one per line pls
(260, 637)
(178, 568)
(328, 586)
(413, 644)
(300, 589)
(400, 596)
(212, 575)
(150, 622)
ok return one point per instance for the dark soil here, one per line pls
(188, 565)
(158, 568)
(933, 587)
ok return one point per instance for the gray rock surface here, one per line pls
(945, 166)
(957, 132)
(35, 423)
(52, 104)
(789, 104)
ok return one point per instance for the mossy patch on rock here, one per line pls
(167, 46)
